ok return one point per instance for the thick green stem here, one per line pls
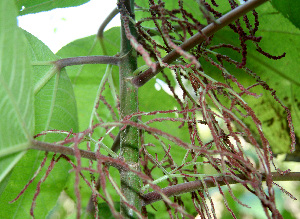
(129, 140)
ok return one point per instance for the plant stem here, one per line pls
(61, 63)
(129, 144)
(198, 185)
(199, 38)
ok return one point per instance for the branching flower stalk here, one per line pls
(157, 195)
(199, 38)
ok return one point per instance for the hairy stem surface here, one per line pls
(129, 138)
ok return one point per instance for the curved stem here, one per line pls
(102, 27)
(199, 38)
(170, 191)
(106, 21)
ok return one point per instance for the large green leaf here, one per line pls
(16, 91)
(34, 6)
(290, 9)
(55, 108)
(55, 104)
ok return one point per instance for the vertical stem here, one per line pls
(129, 138)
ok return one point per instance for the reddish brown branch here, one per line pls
(52, 147)
(199, 38)
(61, 63)
(198, 185)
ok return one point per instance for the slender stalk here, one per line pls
(102, 27)
(178, 189)
(129, 144)
(112, 14)
(56, 148)
(61, 63)
(199, 38)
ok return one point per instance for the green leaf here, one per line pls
(34, 6)
(16, 91)
(107, 214)
(55, 108)
(279, 36)
(290, 9)
(55, 104)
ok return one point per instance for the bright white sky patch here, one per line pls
(60, 26)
